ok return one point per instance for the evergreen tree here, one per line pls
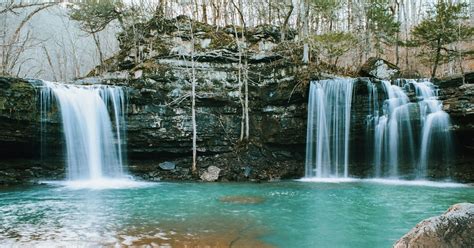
(333, 45)
(381, 23)
(95, 15)
(443, 26)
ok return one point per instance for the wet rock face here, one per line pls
(160, 131)
(17, 117)
(454, 228)
(458, 101)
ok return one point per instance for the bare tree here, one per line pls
(284, 28)
(193, 97)
(16, 43)
(243, 69)
(305, 31)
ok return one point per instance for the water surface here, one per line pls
(284, 214)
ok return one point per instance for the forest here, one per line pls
(424, 38)
(237, 123)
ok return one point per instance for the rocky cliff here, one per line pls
(159, 129)
(157, 75)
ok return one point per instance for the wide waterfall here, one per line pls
(406, 128)
(95, 141)
(329, 117)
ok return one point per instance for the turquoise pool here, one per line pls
(280, 214)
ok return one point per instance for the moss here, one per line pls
(160, 47)
(221, 40)
(291, 51)
(161, 25)
(151, 67)
(202, 27)
(2, 103)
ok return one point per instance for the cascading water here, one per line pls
(393, 131)
(435, 127)
(402, 132)
(329, 116)
(94, 143)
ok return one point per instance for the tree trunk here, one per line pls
(215, 13)
(269, 12)
(246, 82)
(349, 14)
(99, 49)
(285, 23)
(204, 12)
(397, 38)
(193, 102)
(305, 32)
(438, 55)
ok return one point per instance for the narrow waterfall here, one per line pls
(393, 132)
(406, 132)
(328, 132)
(95, 141)
(436, 143)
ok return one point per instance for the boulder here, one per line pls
(454, 228)
(211, 175)
(167, 165)
(380, 69)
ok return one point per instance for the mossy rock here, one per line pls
(221, 40)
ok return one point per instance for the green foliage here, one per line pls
(381, 22)
(95, 15)
(326, 9)
(443, 26)
(333, 45)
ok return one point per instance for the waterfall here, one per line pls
(95, 141)
(435, 132)
(393, 132)
(407, 131)
(328, 131)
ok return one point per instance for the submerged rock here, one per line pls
(242, 199)
(454, 228)
(211, 175)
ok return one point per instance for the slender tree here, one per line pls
(16, 43)
(443, 26)
(95, 15)
(305, 10)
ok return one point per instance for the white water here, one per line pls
(435, 127)
(396, 182)
(412, 133)
(100, 184)
(94, 141)
(328, 133)
(393, 131)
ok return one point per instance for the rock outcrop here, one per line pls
(159, 128)
(457, 94)
(156, 76)
(454, 228)
(380, 69)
